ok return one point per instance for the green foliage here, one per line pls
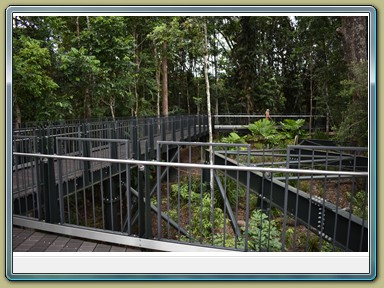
(292, 128)
(201, 224)
(233, 137)
(319, 134)
(299, 240)
(187, 193)
(263, 233)
(77, 65)
(32, 85)
(234, 192)
(275, 62)
(359, 203)
(353, 129)
(265, 131)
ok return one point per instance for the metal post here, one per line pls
(285, 211)
(162, 129)
(110, 205)
(135, 143)
(50, 188)
(140, 200)
(86, 152)
(173, 129)
(151, 139)
(148, 218)
(181, 128)
(158, 179)
(189, 128)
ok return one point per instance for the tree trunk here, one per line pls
(18, 116)
(78, 31)
(207, 88)
(354, 34)
(137, 72)
(158, 91)
(157, 76)
(112, 107)
(216, 87)
(248, 97)
(164, 66)
(87, 104)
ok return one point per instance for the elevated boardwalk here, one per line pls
(128, 139)
(70, 179)
(30, 240)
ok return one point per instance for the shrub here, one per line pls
(201, 224)
(358, 207)
(263, 234)
(233, 137)
(291, 128)
(265, 131)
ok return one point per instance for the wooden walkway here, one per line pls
(29, 240)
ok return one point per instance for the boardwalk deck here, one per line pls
(29, 240)
(26, 178)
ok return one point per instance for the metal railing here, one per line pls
(228, 122)
(265, 200)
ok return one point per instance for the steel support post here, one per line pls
(141, 204)
(151, 139)
(135, 144)
(110, 205)
(52, 214)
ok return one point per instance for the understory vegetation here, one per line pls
(266, 133)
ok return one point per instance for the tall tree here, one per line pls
(33, 87)
(354, 126)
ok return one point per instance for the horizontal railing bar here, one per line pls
(202, 144)
(245, 152)
(314, 177)
(331, 148)
(321, 160)
(189, 165)
(262, 115)
(93, 139)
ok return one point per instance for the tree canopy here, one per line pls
(69, 67)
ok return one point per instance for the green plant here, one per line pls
(201, 225)
(187, 193)
(233, 137)
(229, 241)
(359, 204)
(234, 191)
(291, 128)
(172, 214)
(264, 131)
(318, 134)
(263, 234)
(253, 200)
